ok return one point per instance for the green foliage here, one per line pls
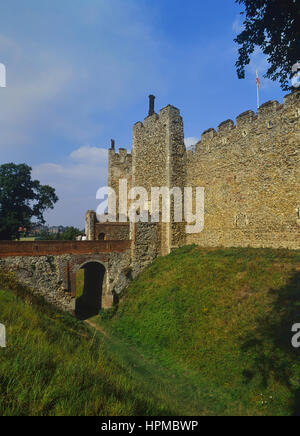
(21, 199)
(223, 319)
(46, 236)
(79, 283)
(56, 365)
(107, 314)
(69, 234)
(272, 25)
(200, 332)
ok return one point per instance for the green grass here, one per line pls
(200, 332)
(28, 239)
(56, 365)
(221, 319)
(79, 282)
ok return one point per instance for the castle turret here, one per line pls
(158, 158)
(119, 167)
(90, 225)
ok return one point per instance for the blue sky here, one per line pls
(79, 73)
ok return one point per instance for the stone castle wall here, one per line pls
(250, 171)
(46, 276)
(251, 175)
(146, 245)
(53, 276)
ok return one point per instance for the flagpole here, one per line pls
(257, 86)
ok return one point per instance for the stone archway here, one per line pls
(89, 304)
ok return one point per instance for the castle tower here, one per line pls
(158, 160)
(90, 225)
(119, 167)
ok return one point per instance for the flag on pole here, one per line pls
(257, 80)
(258, 86)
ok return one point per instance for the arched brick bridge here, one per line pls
(49, 268)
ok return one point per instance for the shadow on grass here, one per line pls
(271, 342)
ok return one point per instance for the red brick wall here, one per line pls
(45, 248)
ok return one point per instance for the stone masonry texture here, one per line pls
(53, 276)
(251, 175)
(250, 171)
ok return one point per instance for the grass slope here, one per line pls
(221, 320)
(56, 365)
(200, 332)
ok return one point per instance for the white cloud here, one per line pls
(259, 63)
(76, 183)
(237, 25)
(89, 154)
(30, 89)
(23, 101)
(70, 77)
(64, 86)
(191, 141)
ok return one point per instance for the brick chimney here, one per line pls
(151, 105)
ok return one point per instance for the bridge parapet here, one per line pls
(49, 268)
(53, 248)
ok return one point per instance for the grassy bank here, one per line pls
(55, 365)
(222, 319)
(200, 332)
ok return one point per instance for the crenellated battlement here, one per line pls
(226, 126)
(168, 113)
(246, 117)
(249, 168)
(119, 167)
(270, 115)
(121, 156)
(250, 171)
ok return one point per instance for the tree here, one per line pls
(274, 26)
(70, 234)
(21, 199)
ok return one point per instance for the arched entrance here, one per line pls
(89, 303)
